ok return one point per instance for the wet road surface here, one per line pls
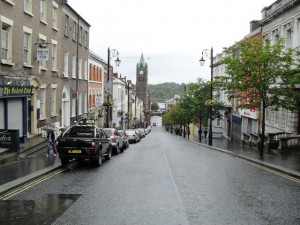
(163, 180)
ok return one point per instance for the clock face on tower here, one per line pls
(141, 72)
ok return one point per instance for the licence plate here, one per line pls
(75, 151)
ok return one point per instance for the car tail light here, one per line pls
(56, 145)
(113, 139)
(93, 145)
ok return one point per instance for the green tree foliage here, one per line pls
(154, 106)
(261, 76)
(192, 106)
(164, 91)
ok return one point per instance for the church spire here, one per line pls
(142, 62)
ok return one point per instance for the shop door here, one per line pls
(29, 116)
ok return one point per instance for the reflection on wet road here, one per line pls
(29, 212)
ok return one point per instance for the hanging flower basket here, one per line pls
(211, 103)
(107, 103)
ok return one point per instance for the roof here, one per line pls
(142, 62)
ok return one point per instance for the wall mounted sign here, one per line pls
(13, 91)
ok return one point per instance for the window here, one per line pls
(86, 39)
(80, 104)
(288, 35)
(85, 70)
(54, 55)
(73, 107)
(41, 98)
(6, 39)
(298, 29)
(288, 38)
(74, 66)
(43, 15)
(80, 35)
(26, 48)
(43, 41)
(85, 108)
(80, 68)
(27, 43)
(66, 64)
(4, 42)
(54, 15)
(275, 35)
(53, 102)
(74, 34)
(28, 7)
(66, 25)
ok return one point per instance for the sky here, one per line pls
(171, 34)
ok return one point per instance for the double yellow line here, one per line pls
(274, 172)
(31, 184)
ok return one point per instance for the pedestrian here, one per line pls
(205, 132)
(51, 142)
(200, 133)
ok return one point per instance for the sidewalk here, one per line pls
(27, 168)
(23, 168)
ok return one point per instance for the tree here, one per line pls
(154, 106)
(261, 76)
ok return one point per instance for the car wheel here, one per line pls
(117, 150)
(64, 161)
(122, 148)
(108, 156)
(98, 160)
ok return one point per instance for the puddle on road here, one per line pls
(46, 211)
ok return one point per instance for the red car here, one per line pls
(116, 139)
(125, 139)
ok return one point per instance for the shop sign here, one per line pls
(12, 91)
(250, 113)
(98, 101)
(10, 139)
(42, 54)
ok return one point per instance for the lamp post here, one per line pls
(128, 111)
(206, 53)
(110, 54)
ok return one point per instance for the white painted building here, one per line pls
(282, 20)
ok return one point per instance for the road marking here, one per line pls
(183, 215)
(274, 172)
(31, 184)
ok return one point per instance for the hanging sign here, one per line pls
(42, 54)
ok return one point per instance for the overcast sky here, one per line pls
(170, 33)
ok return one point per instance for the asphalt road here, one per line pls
(163, 180)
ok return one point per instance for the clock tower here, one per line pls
(142, 89)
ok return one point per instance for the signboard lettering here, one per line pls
(42, 54)
(15, 91)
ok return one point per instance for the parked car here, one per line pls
(125, 139)
(83, 141)
(141, 132)
(132, 136)
(115, 138)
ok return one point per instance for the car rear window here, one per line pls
(107, 132)
(88, 132)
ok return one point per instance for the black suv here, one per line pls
(83, 141)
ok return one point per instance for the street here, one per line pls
(163, 180)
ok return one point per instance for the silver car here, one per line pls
(132, 136)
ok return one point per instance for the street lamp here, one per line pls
(206, 53)
(110, 54)
(128, 111)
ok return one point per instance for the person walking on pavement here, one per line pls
(200, 133)
(205, 132)
(51, 142)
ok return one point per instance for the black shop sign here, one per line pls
(10, 139)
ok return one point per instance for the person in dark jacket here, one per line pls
(51, 142)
